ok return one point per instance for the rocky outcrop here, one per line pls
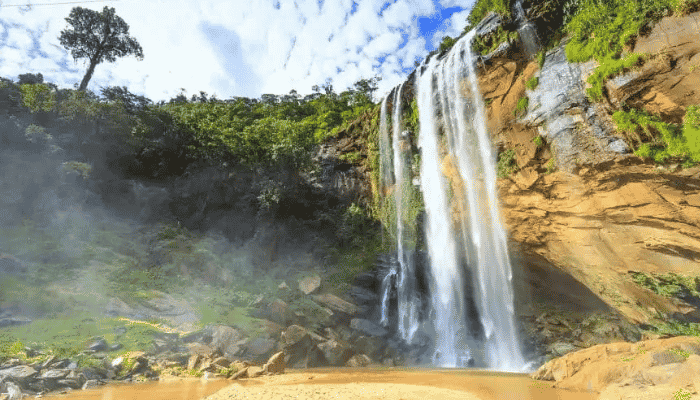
(653, 369)
(668, 83)
(607, 220)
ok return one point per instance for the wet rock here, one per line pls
(560, 348)
(310, 284)
(336, 352)
(15, 320)
(367, 327)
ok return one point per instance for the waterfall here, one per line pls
(463, 228)
(403, 271)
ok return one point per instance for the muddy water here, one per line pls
(483, 385)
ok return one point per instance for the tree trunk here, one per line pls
(88, 74)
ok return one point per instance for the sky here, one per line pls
(235, 47)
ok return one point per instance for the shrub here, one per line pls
(506, 163)
(661, 141)
(521, 107)
(447, 43)
(38, 97)
(532, 83)
(483, 7)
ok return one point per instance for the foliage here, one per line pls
(506, 163)
(97, 36)
(521, 107)
(532, 83)
(131, 102)
(447, 43)
(539, 142)
(540, 58)
(550, 166)
(668, 285)
(38, 97)
(675, 141)
(30, 78)
(483, 7)
(486, 44)
(609, 67)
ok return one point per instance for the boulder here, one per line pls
(276, 364)
(226, 341)
(310, 284)
(371, 345)
(21, 374)
(295, 342)
(335, 303)
(193, 362)
(367, 327)
(241, 374)
(260, 349)
(336, 352)
(359, 360)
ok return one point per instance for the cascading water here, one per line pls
(464, 233)
(403, 271)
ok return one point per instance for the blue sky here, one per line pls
(236, 48)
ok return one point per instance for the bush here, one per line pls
(532, 83)
(660, 140)
(483, 7)
(506, 163)
(521, 107)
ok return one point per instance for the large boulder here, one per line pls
(276, 364)
(336, 352)
(335, 303)
(367, 327)
(310, 284)
(226, 341)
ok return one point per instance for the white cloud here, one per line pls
(235, 48)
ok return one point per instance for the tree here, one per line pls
(98, 36)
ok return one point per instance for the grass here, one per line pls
(662, 141)
(487, 44)
(538, 141)
(609, 67)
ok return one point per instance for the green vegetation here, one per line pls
(609, 67)
(668, 285)
(682, 394)
(660, 140)
(506, 163)
(521, 107)
(540, 58)
(38, 97)
(532, 83)
(550, 166)
(447, 43)
(601, 30)
(483, 7)
(487, 44)
(539, 142)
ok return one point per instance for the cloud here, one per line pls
(235, 48)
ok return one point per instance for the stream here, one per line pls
(322, 383)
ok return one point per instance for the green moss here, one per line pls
(540, 58)
(506, 163)
(532, 83)
(521, 107)
(550, 166)
(81, 168)
(352, 157)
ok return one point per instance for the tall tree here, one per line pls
(98, 36)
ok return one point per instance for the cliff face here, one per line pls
(605, 213)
